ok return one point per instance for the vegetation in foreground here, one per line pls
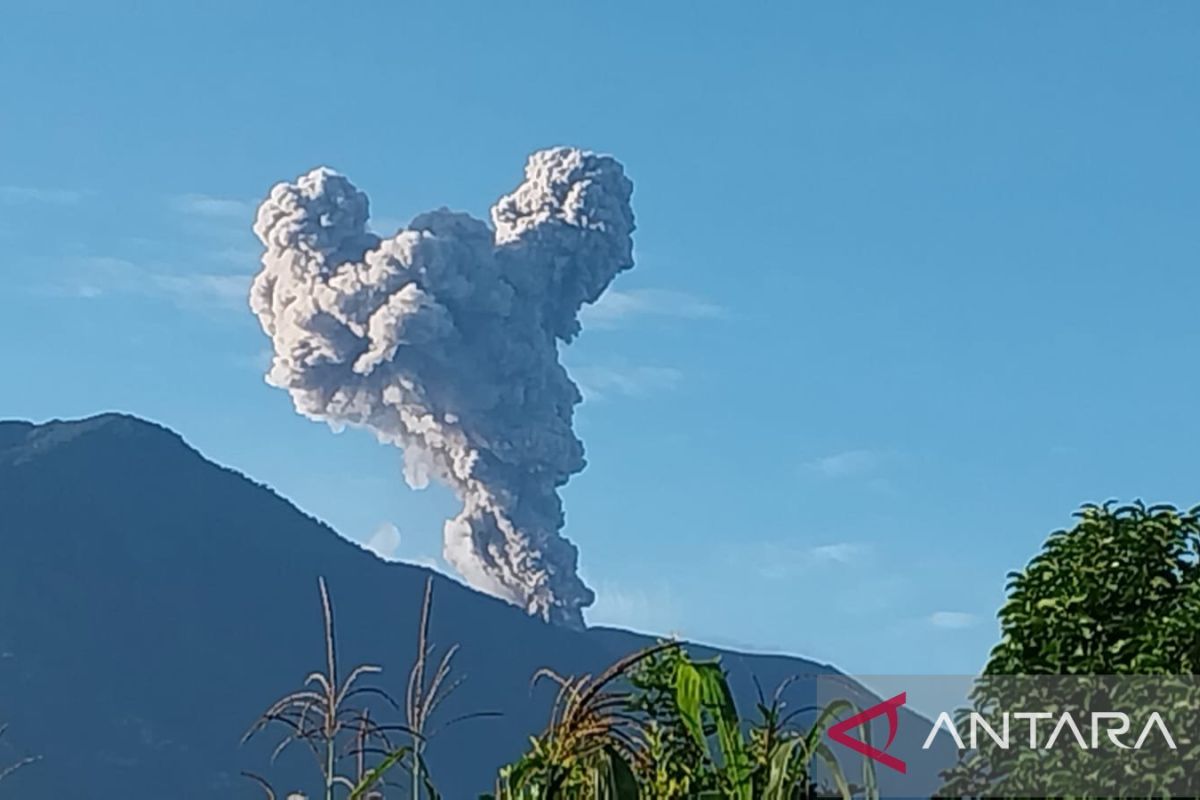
(16, 765)
(1116, 595)
(1113, 603)
(656, 724)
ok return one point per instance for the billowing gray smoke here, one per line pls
(443, 340)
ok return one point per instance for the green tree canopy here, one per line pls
(1118, 594)
(1114, 605)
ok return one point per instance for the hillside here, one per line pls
(152, 603)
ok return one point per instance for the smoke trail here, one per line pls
(443, 340)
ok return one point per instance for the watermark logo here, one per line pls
(1018, 735)
(838, 732)
(1114, 724)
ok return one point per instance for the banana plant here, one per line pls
(777, 762)
(701, 691)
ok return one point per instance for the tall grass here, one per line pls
(655, 725)
(16, 765)
(326, 717)
(426, 691)
(592, 744)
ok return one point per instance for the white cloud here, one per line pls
(384, 541)
(204, 205)
(647, 609)
(784, 561)
(259, 361)
(628, 380)
(83, 290)
(225, 290)
(222, 226)
(97, 277)
(952, 620)
(20, 195)
(840, 552)
(848, 464)
(247, 256)
(616, 307)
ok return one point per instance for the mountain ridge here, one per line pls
(161, 601)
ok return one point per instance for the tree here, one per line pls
(1116, 595)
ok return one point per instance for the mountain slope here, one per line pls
(153, 603)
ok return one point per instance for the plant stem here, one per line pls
(416, 773)
(329, 766)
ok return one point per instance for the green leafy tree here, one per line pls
(1116, 595)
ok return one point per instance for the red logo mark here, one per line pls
(838, 732)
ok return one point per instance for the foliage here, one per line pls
(592, 744)
(1116, 595)
(326, 717)
(674, 763)
(661, 725)
(655, 725)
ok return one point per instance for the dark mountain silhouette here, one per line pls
(152, 604)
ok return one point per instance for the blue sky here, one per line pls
(914, 280)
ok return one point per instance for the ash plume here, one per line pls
(443, 341)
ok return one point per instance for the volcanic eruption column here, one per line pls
(443, 340)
